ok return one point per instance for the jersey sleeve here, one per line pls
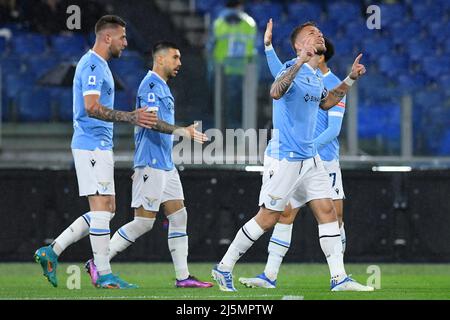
(339, 109)
(273, 62)
(149, 95)
(331, 132)
(92, 77)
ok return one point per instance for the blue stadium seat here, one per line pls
(343, 11)
(444, 144)
(68, 46)
(329, 28)
(392, 65)
(411, 82)
(402, 31)
(262, 12)
(439, 30)
(64, 102)
(419, 48)
(2, 45)
(303, 10)
(30, 44)
(376, 47)
(281, 31)
(205, 6)
(17, 83)
(444, 82)
(40, 65)
(343, 46)
(34, 106)
(427, 99)
(434, 66)
(425, 11)
(124, 101)
(126, 66)
(446, 47)
(391, 13)
(133, 80)
(379, 120)
(11, 66)
(357, 30)
(5, 109)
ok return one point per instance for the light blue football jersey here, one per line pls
(331, 121)
(295, 116)
(154, 149)
(92, 76)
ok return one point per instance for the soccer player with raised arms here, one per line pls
(156, 181)
(293, 171)
(92, 144)
(327, 130)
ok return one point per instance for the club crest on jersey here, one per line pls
(150, 201)
(274, 199)
(104, 185)
(92, 80)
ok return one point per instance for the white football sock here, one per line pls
(246, 236)
(127, 235)
(331, 244)
(278, 246)
(76, 231)
(343, 237)
(99, 235)
(177, 239)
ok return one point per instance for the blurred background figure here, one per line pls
(233, 46)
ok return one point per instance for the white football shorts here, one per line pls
(95, 171)
(334, 171)
(151, 187)
(297, 182)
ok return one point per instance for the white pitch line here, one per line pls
(148, 297)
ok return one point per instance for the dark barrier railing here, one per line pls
(389, 217)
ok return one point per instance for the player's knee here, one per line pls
(286, 219)
(112, 206)
(288, 216)
(266, 218)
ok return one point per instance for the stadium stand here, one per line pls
(409, 54)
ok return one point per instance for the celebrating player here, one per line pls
(92, 144)
(327, 130)
(293, 171)
(156, 181)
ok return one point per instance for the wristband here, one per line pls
(268, 48)
(349, 81)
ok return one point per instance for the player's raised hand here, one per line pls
(358, 69)
(268, 33)
(193, 134)
(308, 49)
(141, 117)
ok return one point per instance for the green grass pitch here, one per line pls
(156, 281)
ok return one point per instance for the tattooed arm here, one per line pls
(188, 132)
(164, 127)
(283, 82)
(139, 117)
(334, 96)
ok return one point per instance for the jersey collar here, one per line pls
(311, 68)
(98, 56)
(326, 74)
(157, 75)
